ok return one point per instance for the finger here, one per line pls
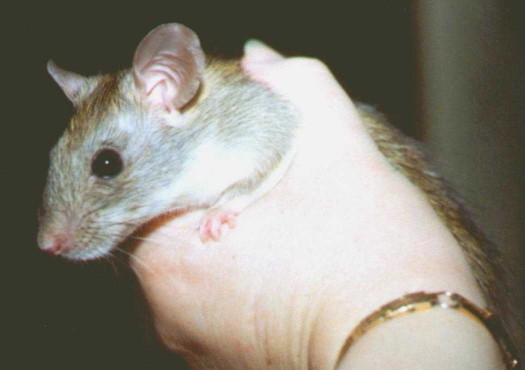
(256, 51)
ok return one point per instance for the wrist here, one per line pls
(437, 338)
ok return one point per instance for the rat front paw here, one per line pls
(212, 222)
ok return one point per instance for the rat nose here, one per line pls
(53, 246)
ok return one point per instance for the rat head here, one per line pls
(113, 168)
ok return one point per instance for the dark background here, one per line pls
(410, 59)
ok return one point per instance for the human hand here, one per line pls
(340, 235)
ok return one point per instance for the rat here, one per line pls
(183, 131)
(177, 131)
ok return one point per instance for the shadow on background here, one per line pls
(471, 101)
(460, 75)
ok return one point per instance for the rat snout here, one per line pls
(57, 233)
(74, 235)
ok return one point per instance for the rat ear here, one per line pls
(71, 83)
(167, 66)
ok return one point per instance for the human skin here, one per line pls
(342, 234)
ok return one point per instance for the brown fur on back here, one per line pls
(406, 156)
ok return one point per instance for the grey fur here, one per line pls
(235, 113)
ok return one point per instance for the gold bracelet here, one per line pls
(422, 301)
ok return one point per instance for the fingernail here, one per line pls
(252, 44)
(257, 51)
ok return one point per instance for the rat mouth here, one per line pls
(87, 254)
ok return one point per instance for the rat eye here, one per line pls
(107, 163)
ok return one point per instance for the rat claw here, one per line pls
(212, 222)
